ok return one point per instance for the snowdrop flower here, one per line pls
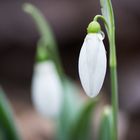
(92, 60)
(46, 89)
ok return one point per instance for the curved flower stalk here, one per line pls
(92, 61)
(46, 89)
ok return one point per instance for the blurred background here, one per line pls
(69, 20)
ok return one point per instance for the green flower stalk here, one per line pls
(108, 14)
(47, 42)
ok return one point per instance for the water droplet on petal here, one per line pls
(101, 35)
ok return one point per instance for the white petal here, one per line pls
(92, 64)
(46, 89)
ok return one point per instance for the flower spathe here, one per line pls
(92, 63)
(46, 89)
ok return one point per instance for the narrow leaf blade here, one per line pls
(81, 128)
(7, 122)
(69, 109)
(106, 126)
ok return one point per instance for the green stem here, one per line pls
(114, 100)
(47, 37)
(113, 71)
(114, 84)
(103, 19)
(107, 12)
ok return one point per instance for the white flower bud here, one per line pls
(92, 64)
(46, 89)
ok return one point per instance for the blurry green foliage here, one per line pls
(8, 129)
(75, 119)
(106, 125)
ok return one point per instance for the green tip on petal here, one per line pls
(93, 27)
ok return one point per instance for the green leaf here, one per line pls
(81, 127)
(2, 134)
(75, 119)
(106, 126)
(69, 109)
(7, 123)
(107, 12)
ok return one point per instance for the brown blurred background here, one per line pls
(69, 19)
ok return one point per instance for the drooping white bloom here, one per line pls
(46, 89)
(92, 63)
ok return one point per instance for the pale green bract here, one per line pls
(108, 14)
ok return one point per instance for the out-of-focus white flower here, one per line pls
(46, 89)
(92, 63)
